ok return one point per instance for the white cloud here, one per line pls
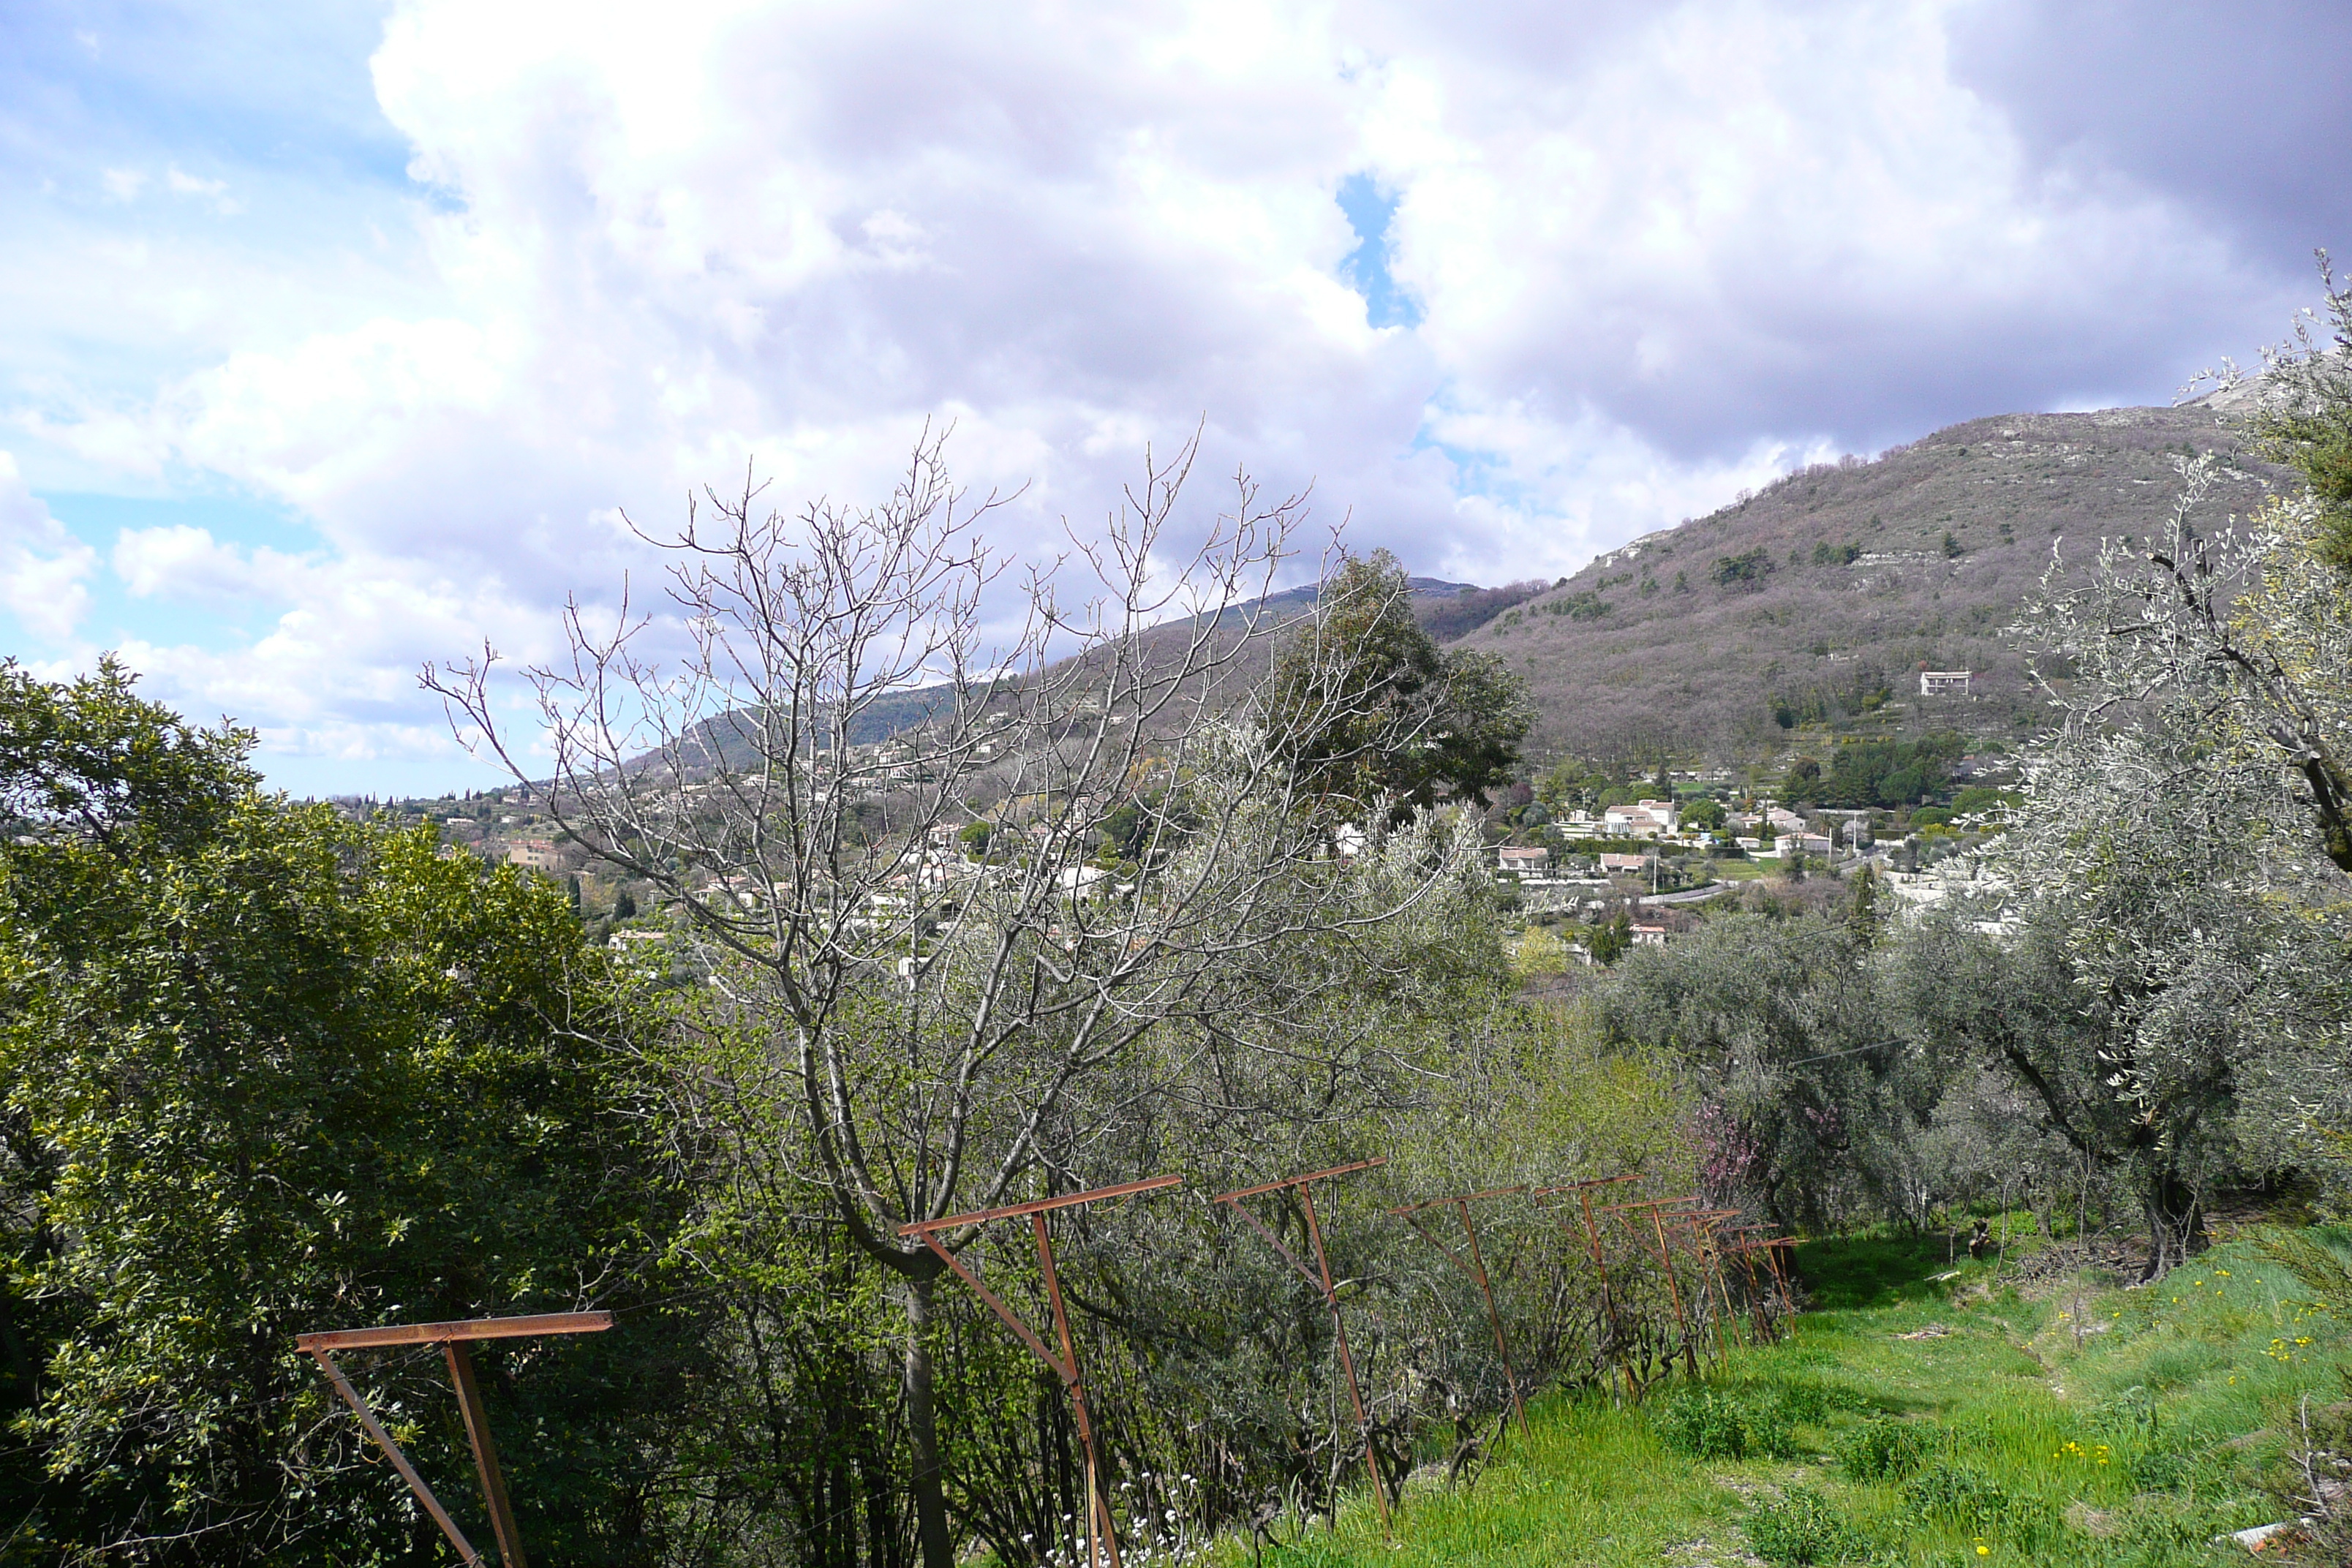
(188, 185)
(1658, 253)
(42, 566)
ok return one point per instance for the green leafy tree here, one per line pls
(1373, 709)
(1612, 938)
(265, 1071)
(1706, 814)
(1784, 1026)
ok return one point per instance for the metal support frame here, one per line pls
(1710, 1259)
(1584, 1191)
(1476, 1269)
(452, 1338)
(1775, 1247)
(1761, 1315)
(1320, 1278)
(1666, 1262)
(1102, 1532)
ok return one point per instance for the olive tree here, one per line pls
(957, 1018)
(2180, 848)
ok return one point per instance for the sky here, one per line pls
(336, 338)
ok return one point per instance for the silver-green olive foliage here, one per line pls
(2182, 847)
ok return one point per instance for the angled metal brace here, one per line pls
(452, 1338)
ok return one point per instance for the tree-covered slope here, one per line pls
(1821, 598)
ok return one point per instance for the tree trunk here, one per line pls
(2176, 1223)
(923, 1432)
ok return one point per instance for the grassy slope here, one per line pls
(2212, 1352)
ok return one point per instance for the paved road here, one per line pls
(1695, 896)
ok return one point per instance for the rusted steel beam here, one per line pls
(1477, 1270)
(1650, 1203)
(485, 1454)
(1461, 1198)
(1293, 1181)
(1095, 1194)
(452, 1337)
(1539, 1194)
(1010, 1319)
(400, 1464)
(1102, 1531)
(466, 1329)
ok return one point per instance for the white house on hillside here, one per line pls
(1645, 819)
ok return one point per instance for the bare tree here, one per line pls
(983, 899)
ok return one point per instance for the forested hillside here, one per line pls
(1818, 600)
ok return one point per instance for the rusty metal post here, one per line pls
(1098, 1524)
(1101, 1530)
(1760, 1324)
(1321, 1277)
(1674, 1281)
(1673, 1285)
(485, 1454)
(1476, 1269)
(1583, 1191)
(452, 1338)
(1711, 1266)
(400, 1464)
(1773, 1248)
(1347, 1356)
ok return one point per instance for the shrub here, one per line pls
(1801, 1528)
(1750, 568)
(1972, 1500)
(1882, 1451)
(2161, 1470)
(1807, 1401)
(1714, 1424)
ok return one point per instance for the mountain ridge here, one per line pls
(1815, 601)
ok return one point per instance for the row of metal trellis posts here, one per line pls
(1722, 1280)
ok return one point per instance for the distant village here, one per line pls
(1640, 865)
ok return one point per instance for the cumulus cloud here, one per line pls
(43, 567)
(1623, 262)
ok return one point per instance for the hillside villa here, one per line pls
(1644, 819)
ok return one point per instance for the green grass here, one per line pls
(2064, 1424)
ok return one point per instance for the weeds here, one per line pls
(1964, 1498)
(1802, 1527)
(1720, 1424)
(1882, 1451)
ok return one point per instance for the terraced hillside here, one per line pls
(1817, 601)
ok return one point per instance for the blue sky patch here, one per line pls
(1366, 268)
